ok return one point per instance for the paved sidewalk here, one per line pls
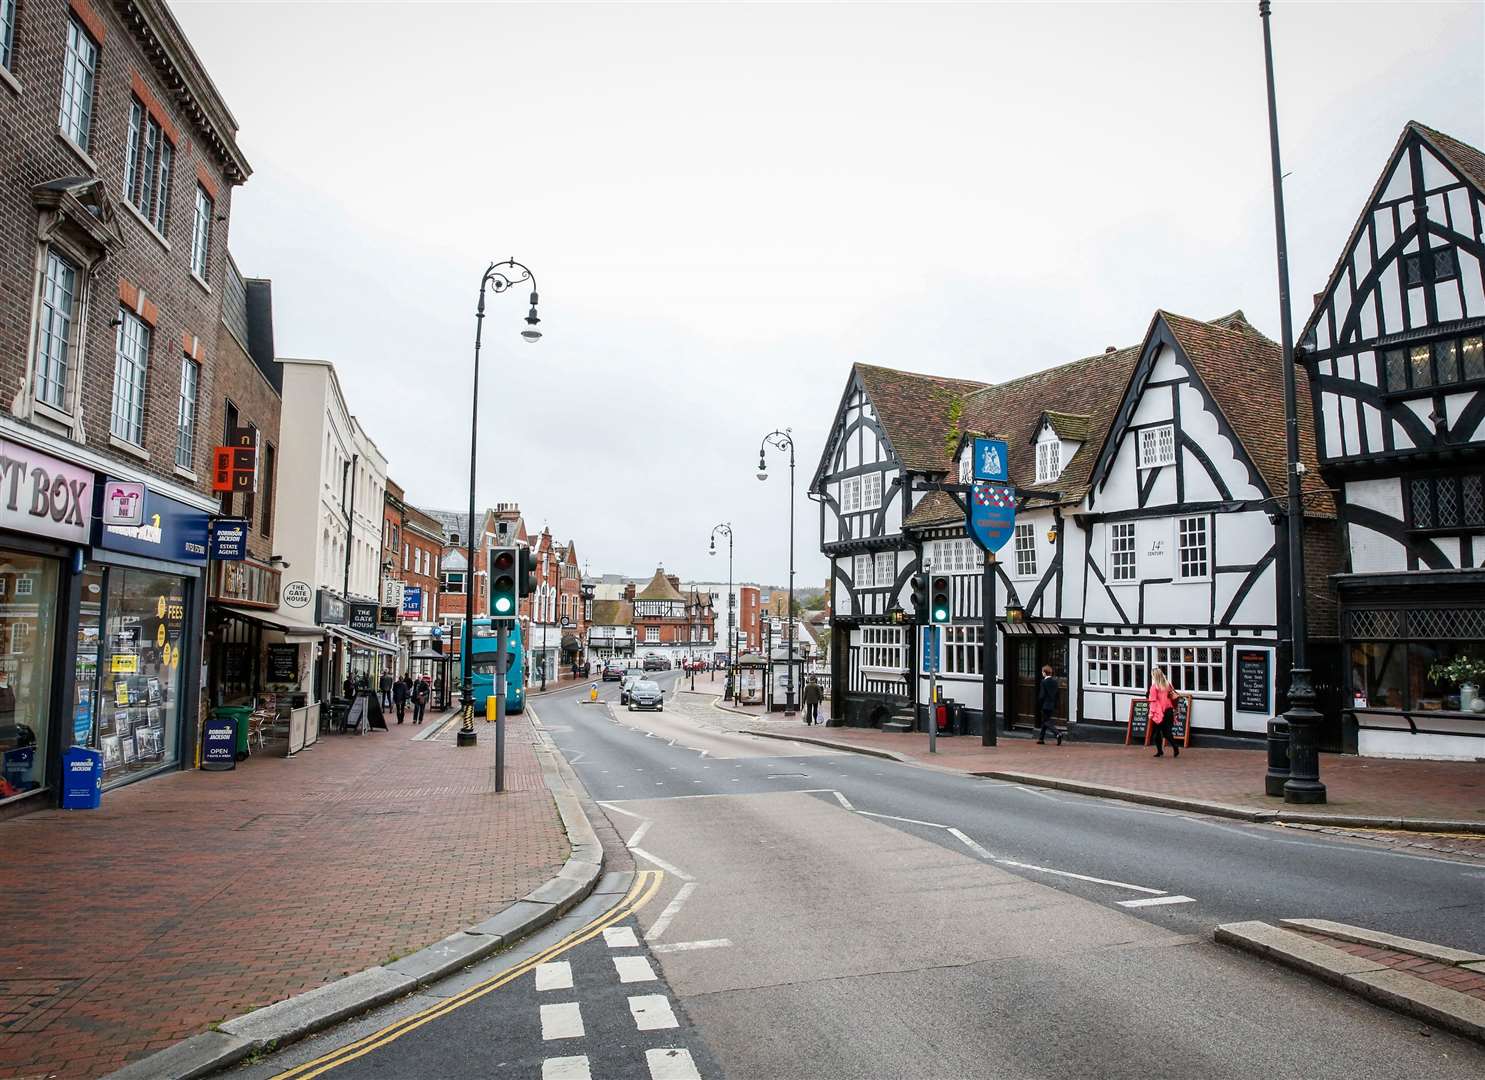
(1356, 786)
(196, 897)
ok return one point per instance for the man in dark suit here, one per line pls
(1046, 700)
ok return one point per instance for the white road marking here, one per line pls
(908, 820)
(671, 910)
(662, 864)
(566, 1068)
(563, 1021)
(620, 810)
(690, 946)
(652, 1012)
(639, 833)
(967, 842)
(670, 1065)
(1036, 791)
(554, 976)
(843, 800)
(633, 969)
(620, 937)
(1153, 901)
(1082, 877)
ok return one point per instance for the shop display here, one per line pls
(28, 604)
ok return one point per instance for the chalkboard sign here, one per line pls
(1138, 730)
(1252, 680)
(1180, 729)
(283, 663)
(219, 744)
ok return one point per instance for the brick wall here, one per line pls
(1324, 556)
(238, 381)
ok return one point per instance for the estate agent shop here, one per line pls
(99, 623)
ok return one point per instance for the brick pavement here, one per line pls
(1450, 976)
(195, 897)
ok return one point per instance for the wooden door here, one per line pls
(1025, 673)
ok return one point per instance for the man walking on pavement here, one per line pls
(419, 699)
(813, 695)
(1046, 700)
(399, 695)
(386, 688)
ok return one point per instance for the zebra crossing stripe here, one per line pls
(564, 1021)
(670, 1065)
(556, 975)
(567, 1068)
(633, 969)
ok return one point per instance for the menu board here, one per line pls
(1138, 728)
(1253, 680)
(283, 663)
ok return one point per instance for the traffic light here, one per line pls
(919, 599)
(503, 594)
(940, 600)
(526, 578)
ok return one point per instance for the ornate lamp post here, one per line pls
(498, 277)
(783, 441)
(726, 530)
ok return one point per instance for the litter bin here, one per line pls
(240, 715)
(1278, 757)
(956, 717)
(82, 778)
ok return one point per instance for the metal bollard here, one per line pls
(1278, 758)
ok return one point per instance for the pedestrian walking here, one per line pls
(385, 686)
(350, 685)
(400, 690)
(1162, 698)
(419, 700)
(1047, 693)
(814, 693)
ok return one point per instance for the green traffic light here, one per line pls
(502, 604)
(940, 614)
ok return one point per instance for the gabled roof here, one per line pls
(1070, 426)
(613, 613)
(659, 588)
(916, 412)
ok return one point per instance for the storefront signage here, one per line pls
(283, 663)
(123, 503)
(171, 530)
(229, 539)
(387, 615)
(363, 618)
(1252, 680)
(39, 494)
(991, 459)
(219, 744)
(298, 594)
(125, 663)
(392, 592)
(329, 609)
(412, 602)
(234, 467)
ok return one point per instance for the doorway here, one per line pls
(1027, 654)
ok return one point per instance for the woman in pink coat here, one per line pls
(1162, 698)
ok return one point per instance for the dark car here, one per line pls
(631, 676)
(656, 663)
(613, 671)
(646, 695)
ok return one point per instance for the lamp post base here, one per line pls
(466, 737)
(1303, 786)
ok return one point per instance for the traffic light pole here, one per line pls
(502, 644)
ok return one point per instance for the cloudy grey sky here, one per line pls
(728, 205)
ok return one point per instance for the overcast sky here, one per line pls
(728, 205)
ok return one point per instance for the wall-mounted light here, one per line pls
(1052, 535)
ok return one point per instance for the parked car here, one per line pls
(613, 671)
(656, 663)
(646, 695)
(631, 676)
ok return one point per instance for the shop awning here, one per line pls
(1041, 629)
(294, 633)
(428, 654)
(365, 641)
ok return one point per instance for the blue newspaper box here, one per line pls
(82, 778)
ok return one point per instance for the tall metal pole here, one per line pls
(502, 643)
(989, 654)
(931, 646)
(467, 736)
(789, 613)
(1303, 785)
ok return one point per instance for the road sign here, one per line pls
(991, 516)
(991, 460)
(930, 649)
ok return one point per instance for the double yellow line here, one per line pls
(646, 885)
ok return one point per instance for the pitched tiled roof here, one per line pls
(1462, 156)
(612, 613)
(1243, 370)
(935, 508)
(916, 411)
(659, 588)
(1070, 426)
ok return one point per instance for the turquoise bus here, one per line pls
(484, 650)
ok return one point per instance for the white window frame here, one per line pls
(885, 569)
(850, 495)
(1048, 461)
(961, 648)
(1116, 667)
(149, 166)
(57, 329)
(1123, 553)
(1157, 446)
(1200, 555)
(201, 234)
(79, 78)
(1025, 548)
(1196, 669)
(871, 491)
(130, 375)
(446, 584)
(25, 585)
(7, 33)
(652, 635)
(864, 575)
(883, 649)
(967, 465)
(185, 416)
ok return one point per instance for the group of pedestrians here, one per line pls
(400, 693)
(1161, 696)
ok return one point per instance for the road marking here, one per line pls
(639, 833)
(908, 820)
(556, 975)
(564, 1021)
(670, 1065)
(633, 969)
(1153, 901)
(652, 1012)
(620, 810)
(662, 864)
(1036, 791)
(620, 937)
(566, 1068)
(672, 909)
(843, 800)
(1082, 877)
(690, 946)
(967, 842)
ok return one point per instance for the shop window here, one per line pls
(1115, 667)
(962, 650)
(1194, 669)
(27, 631)
(882, 649)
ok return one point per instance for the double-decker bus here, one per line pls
(484, 651)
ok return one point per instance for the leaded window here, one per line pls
(1122, 559)
(863, 578)
(1441, 363)
(1157, 446)
(886, 569)
(54, 330)
(1048, 461)
(78, 75)
(131, 363)
(1192, 552)
(1447, 502)
(871, 491)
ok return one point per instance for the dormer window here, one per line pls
(966, 468)
(1048, 461)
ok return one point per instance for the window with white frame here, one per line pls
(131, 364)
(148, 166)
(652, 634)
(1192, 553)
(961, 556)
(24, 586)
(1157, 446)
(1115, 667)
(1048, 461)
(1194, 669)
(1122, 558)
(871, 491)
(850, 495)
(451, 581)
(886, 568)
(882, 648)
(962, 650)
(1026, 550)
(55, 329)
(966, 467)
(7, 33)
(863, 578)
(78, 75)
(407, 554)
(201, 235)
(185, 416)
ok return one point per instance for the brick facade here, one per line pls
(244, 396)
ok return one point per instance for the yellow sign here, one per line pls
(166, 652)
(121, 692)
(160, 635)
(125, 663)
(160, 608)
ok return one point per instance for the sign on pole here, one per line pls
(930, 649)
(991, 514)
(991, 460)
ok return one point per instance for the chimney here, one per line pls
(674, 581)
(629, 592)
(1111, 348)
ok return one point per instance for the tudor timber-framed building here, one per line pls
(1396, 353)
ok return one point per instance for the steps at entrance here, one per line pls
(897, 725)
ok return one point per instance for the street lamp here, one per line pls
(726, 530)
(781, 440)
(498, 277)
(1303, 785)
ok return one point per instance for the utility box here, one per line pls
(82, 778)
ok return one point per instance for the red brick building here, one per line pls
(669, 623)
(749, 619)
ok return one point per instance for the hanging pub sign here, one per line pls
(329, 609)
(234, 467)
(990, 515)
(991, 460)
(362, 617)
(229, 539)
(386, 615)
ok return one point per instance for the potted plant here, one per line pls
(1466, 673)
